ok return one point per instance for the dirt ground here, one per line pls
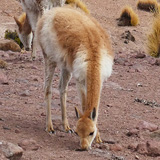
(22, 107)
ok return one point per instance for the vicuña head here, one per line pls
(24, 31)
(86, 128)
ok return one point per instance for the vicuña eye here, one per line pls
(91, 133)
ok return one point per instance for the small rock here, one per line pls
(120, 61)
(3, 79)
(143, 125)
(136, 157)
(128, 37)
(153, 148)
(43, 114)
(7, 45)
(10, 150)
(104, 146)
(142, 148)
(6, 128)
(2, 157)
(116, 147)
(25, 93)
(133, 146)
(133, 132)
(29, 144)
(157, 62)
(140, 55)
(34, 67)
(17, 131)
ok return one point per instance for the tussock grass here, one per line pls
(79, 4)
(14, 36)
(153, 44)
(3, 64)
(128, 17)
(147, 5)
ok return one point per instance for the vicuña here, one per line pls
(77, 44)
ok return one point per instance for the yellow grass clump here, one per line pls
(3, 64)
(79, 4)
(147, 5)
(153, 44)
(128, 17)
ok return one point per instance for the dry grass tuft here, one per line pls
(153, 45)
(147, 5)
(3, 64)
(128, 17)
(79, 4)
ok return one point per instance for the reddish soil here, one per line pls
(22, 107)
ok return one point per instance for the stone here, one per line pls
(7, 45)
(133, 146)
(142, 148)
(29, 144)
(10, 150)
(104, 146)
(116, 147)
(143, 125)
(140, 55)
(153, 148)
(133, 132)
(25, 93)
(128, 37)
(3, 79)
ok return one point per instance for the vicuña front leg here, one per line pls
(98, 138)
(49, 71)
(65, 77)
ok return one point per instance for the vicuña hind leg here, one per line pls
(49, 71)
(65, 77)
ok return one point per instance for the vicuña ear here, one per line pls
(93, 114)
(78, 113)
(18, 23)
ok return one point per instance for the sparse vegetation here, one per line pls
(147, 5)
(78, 3)
(14, 36)
(3, 64)
(128, 17)
(153, 45)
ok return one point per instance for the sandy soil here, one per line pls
(22, 107)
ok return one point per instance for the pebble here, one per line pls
(10, 150)
(143, 125)
(29, 144)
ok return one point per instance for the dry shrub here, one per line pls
(153, 44)
(79, 4)
(147, 5)
(3, 64)
(128, 17)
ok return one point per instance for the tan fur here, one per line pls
(128, 17)
(78, 35)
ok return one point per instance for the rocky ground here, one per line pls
(129, 114)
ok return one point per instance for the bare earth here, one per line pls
(22, 107)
